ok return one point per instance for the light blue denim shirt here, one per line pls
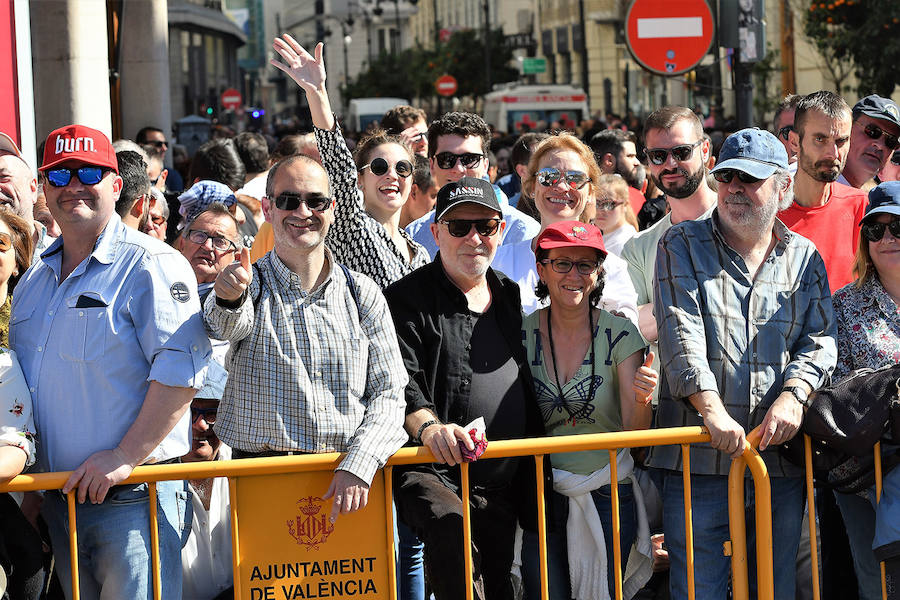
(722, 330)
(90, 345)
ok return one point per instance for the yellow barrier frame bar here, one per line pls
(542, 525)
(154, 543)
(235, 539)
(617, 543)
(688, 518)
(811, 511)
(389, 520)
(73, 542)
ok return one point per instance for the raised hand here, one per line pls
(307, 70)
(234, 279)
(645, 379)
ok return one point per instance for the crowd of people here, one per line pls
(323, 293)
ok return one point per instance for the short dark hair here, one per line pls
(828, 103)
(400, 117)
(542, 291)
(610, 141)
(22, 241)
(220, 210)
(292, 145)
(524, 146)
(141, 137)
(462, 124)
(135, 182)
(787, 103)
(422, 176)
(273, 172)
(218, 160)
(253, 150)
(667, 116)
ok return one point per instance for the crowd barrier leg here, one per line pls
(389, 527)
(154, 542)
(877, 457)
(688, 518)
(73, 543)
(542, 525)
(235, 547)
(467, 528)
(616, 526)
(811, 510)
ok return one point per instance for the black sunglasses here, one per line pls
(726, 175)
(874, 231)
(875, 132)
(895, 158)
(291, 201)
(549, 176)
(157, 143)
(86, 175)
(461, 227)
(784, 131)
(680, 153)
(380, 166)
(447, 160)
(209, 415)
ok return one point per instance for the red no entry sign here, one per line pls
(446, 85)
(668, 37)
(231, 98)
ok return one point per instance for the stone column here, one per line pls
(144, 67)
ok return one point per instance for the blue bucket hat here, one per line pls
(883, 199)
(753, 151)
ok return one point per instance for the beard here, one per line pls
(630, 177)
(691, 181)
(825, 171)
(751, 219)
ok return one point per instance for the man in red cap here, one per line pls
(108, 331)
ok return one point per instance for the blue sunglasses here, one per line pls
(86, 175)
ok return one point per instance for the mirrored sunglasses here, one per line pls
(680, 153)
(875, 132)
(550, 176)
(461, 227)
(447, 160)
(87, 175)
(380, 166)
(5, 242)
(291, 201)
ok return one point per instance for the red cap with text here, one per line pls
(78, 144)
(568, 234)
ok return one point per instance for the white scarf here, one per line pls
(586, 541)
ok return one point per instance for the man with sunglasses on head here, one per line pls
(825, 211)
(459, 323)
(292, 371)
(458, 146)
(108, 330)
(752, 336)
(874, 136)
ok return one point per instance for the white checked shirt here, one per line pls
(310, 372)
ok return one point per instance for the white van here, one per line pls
(365, 111)
(510, 108)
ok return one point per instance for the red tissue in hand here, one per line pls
(481, 445)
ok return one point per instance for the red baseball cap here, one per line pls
(79, 144)
(568, 234)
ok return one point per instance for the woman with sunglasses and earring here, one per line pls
(614, 215)
(590, 376)
(562, 176)
(366, 235)
(868, 336)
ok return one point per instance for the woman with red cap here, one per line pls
(589, 377)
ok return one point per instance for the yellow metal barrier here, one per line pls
(536, 447)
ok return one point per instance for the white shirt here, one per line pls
(206, 558)
(256, 187)
(614, 240)
(517, 261)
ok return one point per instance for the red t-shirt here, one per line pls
(833, 228)
(636, 199)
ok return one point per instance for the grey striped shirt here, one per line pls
(722, 330)
(309, 371)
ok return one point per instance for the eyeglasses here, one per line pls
(208, 414)
(380, 166)
(549, 176)
(422, 135)
(157, 143)
(875, 132)
(784, 131)
(5, 242)
(873, 232)
(726, 175)
(564, 265)
(461, 227)
(608, 206)
(291, 201)
(86, 175)
(680, 153)
(447, 160)
(219, 243)
(159, 220)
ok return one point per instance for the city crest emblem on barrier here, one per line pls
(311, 527)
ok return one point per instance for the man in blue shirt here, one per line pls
(108, 330)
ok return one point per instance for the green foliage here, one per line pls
(767, 92)
(865, 32)
(412, 73)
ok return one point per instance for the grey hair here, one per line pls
(123, 144)
(161, 201)
(783, 181)
(217, 208)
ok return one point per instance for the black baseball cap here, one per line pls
(878, 108)
(468, 190)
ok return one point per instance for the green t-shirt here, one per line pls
(615, 339)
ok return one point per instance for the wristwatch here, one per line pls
(799, 393)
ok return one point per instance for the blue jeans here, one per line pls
(114, 541)
(709, 499)
(859, 518)
(557, 551)
(410, 563)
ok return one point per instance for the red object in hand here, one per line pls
(481, 445)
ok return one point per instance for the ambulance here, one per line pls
(511, 108)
